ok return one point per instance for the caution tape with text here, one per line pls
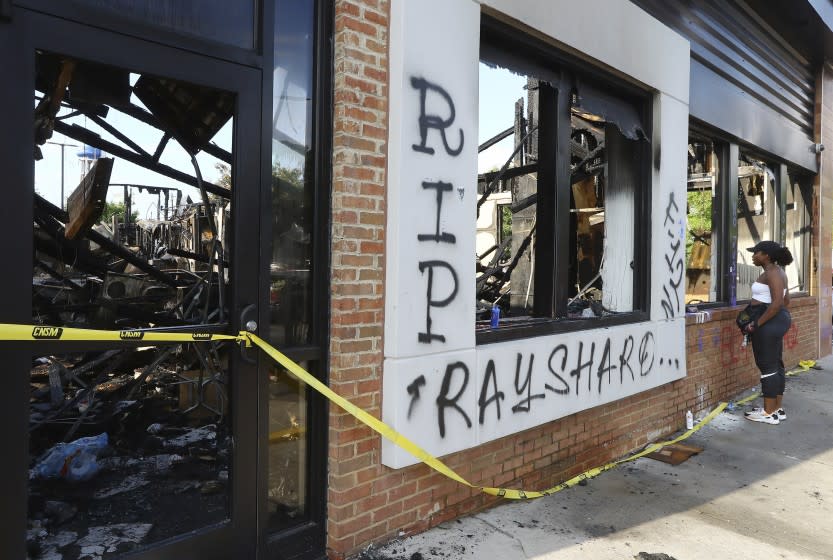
(9, 332)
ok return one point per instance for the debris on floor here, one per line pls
(675, 453)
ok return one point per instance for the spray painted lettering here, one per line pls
(441, 124)
(673, 258)
(429, 121)
(566, 372)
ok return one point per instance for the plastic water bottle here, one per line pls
(689, 420)
(495, 320)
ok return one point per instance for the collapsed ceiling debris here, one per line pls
(160, 414)
(505, 269)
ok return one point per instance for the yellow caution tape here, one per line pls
(287, 434)
(803, 365)
(750, 398)
(31, 332)
(35, 332)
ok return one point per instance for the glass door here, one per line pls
(133, 201)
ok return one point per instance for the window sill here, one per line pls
(722, 312)
(542, 327)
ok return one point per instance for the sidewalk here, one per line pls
(756, 491)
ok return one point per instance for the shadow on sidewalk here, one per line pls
(751, 479)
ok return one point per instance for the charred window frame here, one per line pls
(754, 198)
(557, 132)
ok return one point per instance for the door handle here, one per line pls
(5, 10)
(248, 322)
(248, 318)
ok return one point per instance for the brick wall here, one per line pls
(371, 503)
(359, 505)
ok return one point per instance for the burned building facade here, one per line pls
(514, 231)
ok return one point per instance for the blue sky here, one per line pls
(499, 89)
(48, 170)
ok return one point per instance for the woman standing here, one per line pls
(767, 332)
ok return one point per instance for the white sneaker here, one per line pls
(758, 415)
(782, 415)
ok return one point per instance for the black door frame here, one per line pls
(307, 539)
(27, 32)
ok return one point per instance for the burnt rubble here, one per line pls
(128, 443)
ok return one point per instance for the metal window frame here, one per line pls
(88, 15)
(310, 533)
(552, 289)
(18, 41)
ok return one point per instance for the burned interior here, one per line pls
(130, 444)
(527, 215)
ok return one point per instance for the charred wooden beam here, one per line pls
(195, 256)
(86, 203)
(109, 245)
(85, 136)
(495, 139)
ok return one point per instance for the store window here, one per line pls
(291, 271)
(798, 229)
(757, 215)
(736, 199)
(560, 208)
(701, 236)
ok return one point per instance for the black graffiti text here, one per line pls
(591, 365)
(438, 236)
(436, 122)
(428, 336)
(674, 254)
(525, 386)
(444, 401)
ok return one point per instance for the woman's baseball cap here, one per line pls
(767, 247)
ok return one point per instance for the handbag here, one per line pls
(749, 314)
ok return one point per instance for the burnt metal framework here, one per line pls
(725, 210)
(552, 281)
(85, 33)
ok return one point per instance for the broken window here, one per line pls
(557, 220)
(507, 186)
(133, 445)
(701, 237)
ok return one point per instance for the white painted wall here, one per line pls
(436, 41)
(434, 391)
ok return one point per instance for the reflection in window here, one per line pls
(756, 217)
(128, 446)
(799, 230)
(286, 494)
(701, 240)
(292, 186)
(232, 23)
(291, 269)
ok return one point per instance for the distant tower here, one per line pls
(87, 157)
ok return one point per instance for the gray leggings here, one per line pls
(768, 347)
